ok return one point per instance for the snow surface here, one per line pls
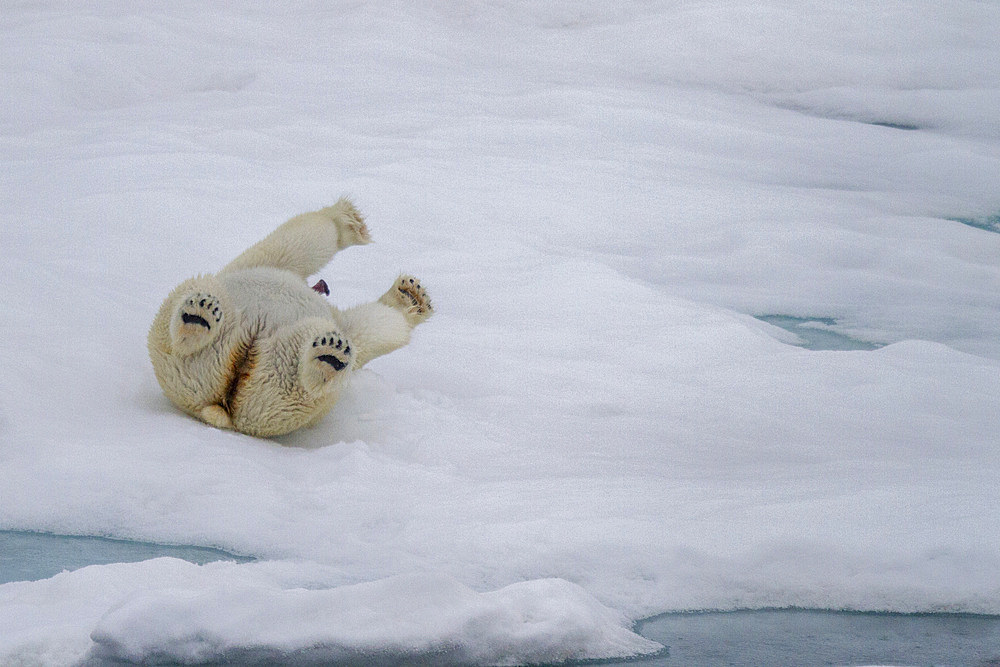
(594, 427)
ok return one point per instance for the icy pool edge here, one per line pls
(28, 555)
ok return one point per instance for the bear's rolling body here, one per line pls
(255, 349)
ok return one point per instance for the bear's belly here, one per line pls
(271, 298)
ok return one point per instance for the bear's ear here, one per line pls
(196, 322)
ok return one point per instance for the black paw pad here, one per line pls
(337, 364)
(333, 350)
(201, 309)
(188, 318)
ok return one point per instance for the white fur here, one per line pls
(254, 348)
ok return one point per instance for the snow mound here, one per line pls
(407, 617)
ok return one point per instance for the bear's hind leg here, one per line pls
(324, 360)
(382, 326)
(196, 320)
(307, 242)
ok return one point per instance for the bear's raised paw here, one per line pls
(351, 227)
(408, 296)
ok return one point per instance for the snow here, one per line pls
(594, 427)
(169, 610)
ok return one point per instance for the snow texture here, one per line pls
(602, 199)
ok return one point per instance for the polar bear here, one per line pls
(255, 349)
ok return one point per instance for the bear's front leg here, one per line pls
(382, 326)
(307, 242)
(408, 297)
